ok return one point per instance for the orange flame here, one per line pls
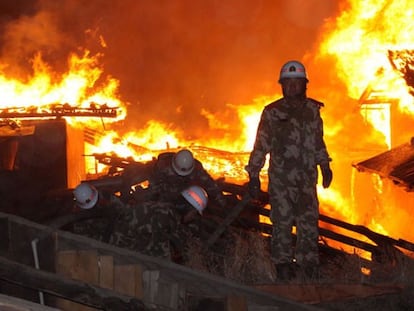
(360, 40)
(78, 87)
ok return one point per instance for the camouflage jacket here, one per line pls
(98, 220)
(149, 227)
(166, 185)
(293, 136)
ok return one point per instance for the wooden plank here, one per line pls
(79, 265)
(128, 280)
(163, 291)
(9, 303)
(236, 303)
(106, 271)
(60, 286)
(194, 281)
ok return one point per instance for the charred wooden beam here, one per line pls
(375, 237)
(59, 112)
(235, 212)
(386, 243)
(384, 251)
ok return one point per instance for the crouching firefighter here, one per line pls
(155, 228)
(96, 209)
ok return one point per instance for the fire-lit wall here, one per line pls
(53, 155)
(75, 156)
(39, 162)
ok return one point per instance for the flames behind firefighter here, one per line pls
(291, 131)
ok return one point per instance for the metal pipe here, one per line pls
(36, 262)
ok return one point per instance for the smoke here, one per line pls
(174, 59)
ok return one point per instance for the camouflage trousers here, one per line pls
(294, 206)
(149, 228)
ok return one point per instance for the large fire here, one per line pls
(358, 40)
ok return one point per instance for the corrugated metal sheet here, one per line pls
(396, 164)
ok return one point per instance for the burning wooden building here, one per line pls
(50, 155)
(41, 153)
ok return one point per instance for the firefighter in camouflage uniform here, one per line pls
(291, 131)
(155, 228)
(97, 208)
(148, 227)
(175, 172)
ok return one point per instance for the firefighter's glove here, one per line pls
(254, 187)
(326, 175)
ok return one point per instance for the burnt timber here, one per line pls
(396, 164)
(62, 111)
(244, 212)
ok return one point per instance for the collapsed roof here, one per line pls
(396, 164)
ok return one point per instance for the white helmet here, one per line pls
(292, 69)
(183, 162)
(197, 197)
(86, 195)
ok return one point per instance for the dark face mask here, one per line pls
(294, 88)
